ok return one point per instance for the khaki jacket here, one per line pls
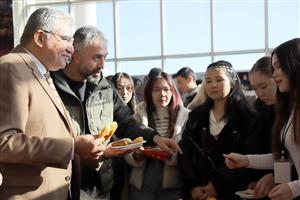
(35, 133)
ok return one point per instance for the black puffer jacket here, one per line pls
(202, 159)
(267, 117)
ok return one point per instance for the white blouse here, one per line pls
(214, 126)
(266, 161)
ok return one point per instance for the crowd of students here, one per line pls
(222, 121)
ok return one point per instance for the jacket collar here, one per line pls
(95, 84)
(27, 58)
(61, 82)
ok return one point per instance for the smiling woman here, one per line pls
(223, 122)
(286, 138)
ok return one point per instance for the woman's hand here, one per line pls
(114, 153)
(197, 193)
(209, 191)
(235, 160)
(167, 144)
(281, 192)
(263, 187)
(203, 193)
(138, 155)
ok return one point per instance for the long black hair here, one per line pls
(288, 55)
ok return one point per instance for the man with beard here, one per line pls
(93, 103)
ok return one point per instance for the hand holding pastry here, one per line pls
(108, 131)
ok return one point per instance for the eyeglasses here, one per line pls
(62, 37)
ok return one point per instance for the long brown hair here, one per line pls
(288, 54)
(174, 105)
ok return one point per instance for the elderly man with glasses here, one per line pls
(38, 145)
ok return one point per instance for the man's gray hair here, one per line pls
(86, 34)
(45, 19)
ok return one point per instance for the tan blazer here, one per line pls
(35, 135)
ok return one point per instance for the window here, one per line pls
(186, 27)
(45, 1)
(109, 68)
(243, 62)
(238, 25)
(284, 21)
(196, 64)
(86, 13)
(138, 67)
(139, 28)
(170, 34)
(106, 25)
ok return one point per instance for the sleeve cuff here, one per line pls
(172, 161)
(131, 161)
(263, 161)
(295, 188)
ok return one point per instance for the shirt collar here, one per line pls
(214, 126)
(193, 91)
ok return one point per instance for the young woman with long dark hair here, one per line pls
(162, 110)
(286, 131)
(225, 122)
(124, 84)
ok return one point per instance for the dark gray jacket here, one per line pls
(102, 106)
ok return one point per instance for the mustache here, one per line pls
(99, 70)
